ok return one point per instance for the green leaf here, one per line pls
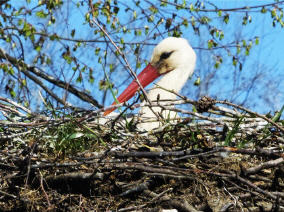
(210, 44)
(197, 82)
(23, 83)
(87, 17)
(185, 22)
(146, 29)
(263, 10)
(220, 13)
(79, 79)
(205, 20)
(168, 23)
(247, 51)
(97, 51)
(226, 18)
(20, 22)
(277, 116)
(191, 7)
(67, 58)
(153, 9)
(232, 132)
(54, 37)
(8, 39)
(73, 33)
(76, 135)
(38, 48)
(41, 14)
(245, 20)
(238, 49)
(235, 61)
(221, 35)
(273, 13)
(12, 93)
(111, 67)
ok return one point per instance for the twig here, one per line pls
(15, 104)
(253, 113)
(266, 165)
(123, 56)
(43, 190)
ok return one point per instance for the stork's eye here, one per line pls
(165, 55)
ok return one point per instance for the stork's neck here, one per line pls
(173, 80)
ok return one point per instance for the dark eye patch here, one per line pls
(165, 55)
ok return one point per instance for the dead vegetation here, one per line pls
(219, 157)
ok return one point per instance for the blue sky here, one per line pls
(265, 59)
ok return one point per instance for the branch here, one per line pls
(266, 165)
(124, 58)
(228, 9)
(25, 68)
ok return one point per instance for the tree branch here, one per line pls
(25, 68)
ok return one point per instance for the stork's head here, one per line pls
(172, 53)
(169, 55)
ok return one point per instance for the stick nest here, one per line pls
(218, 157)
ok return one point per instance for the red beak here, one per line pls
(148, 75)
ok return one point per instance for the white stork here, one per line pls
(174, 60)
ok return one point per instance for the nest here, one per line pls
(218, 157)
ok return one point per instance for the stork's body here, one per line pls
(174, 60)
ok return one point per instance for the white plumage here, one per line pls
(174, 60)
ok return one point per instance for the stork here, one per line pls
(173, 59)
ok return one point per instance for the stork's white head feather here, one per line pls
(173, 53)
(174, 58)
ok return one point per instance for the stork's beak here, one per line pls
(148, 75)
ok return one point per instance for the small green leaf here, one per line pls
(278, 114)
(247, 51)
(79, 79)
(273, 13)
(73, 33)
(235, 61)
(41, 14)
(146, 29)
(23, 82)
(111, 67)
(20, 22)
(220, 13)
(97, 51)
(226, 18)
(191, 7)
(185, 22)
(197, 82)
(12, 93)
(76, 135)
(87, 17)
(210, 44)
(168, 23)
(238, 49)
(221, 35)
(263, 10)
(38, 48)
